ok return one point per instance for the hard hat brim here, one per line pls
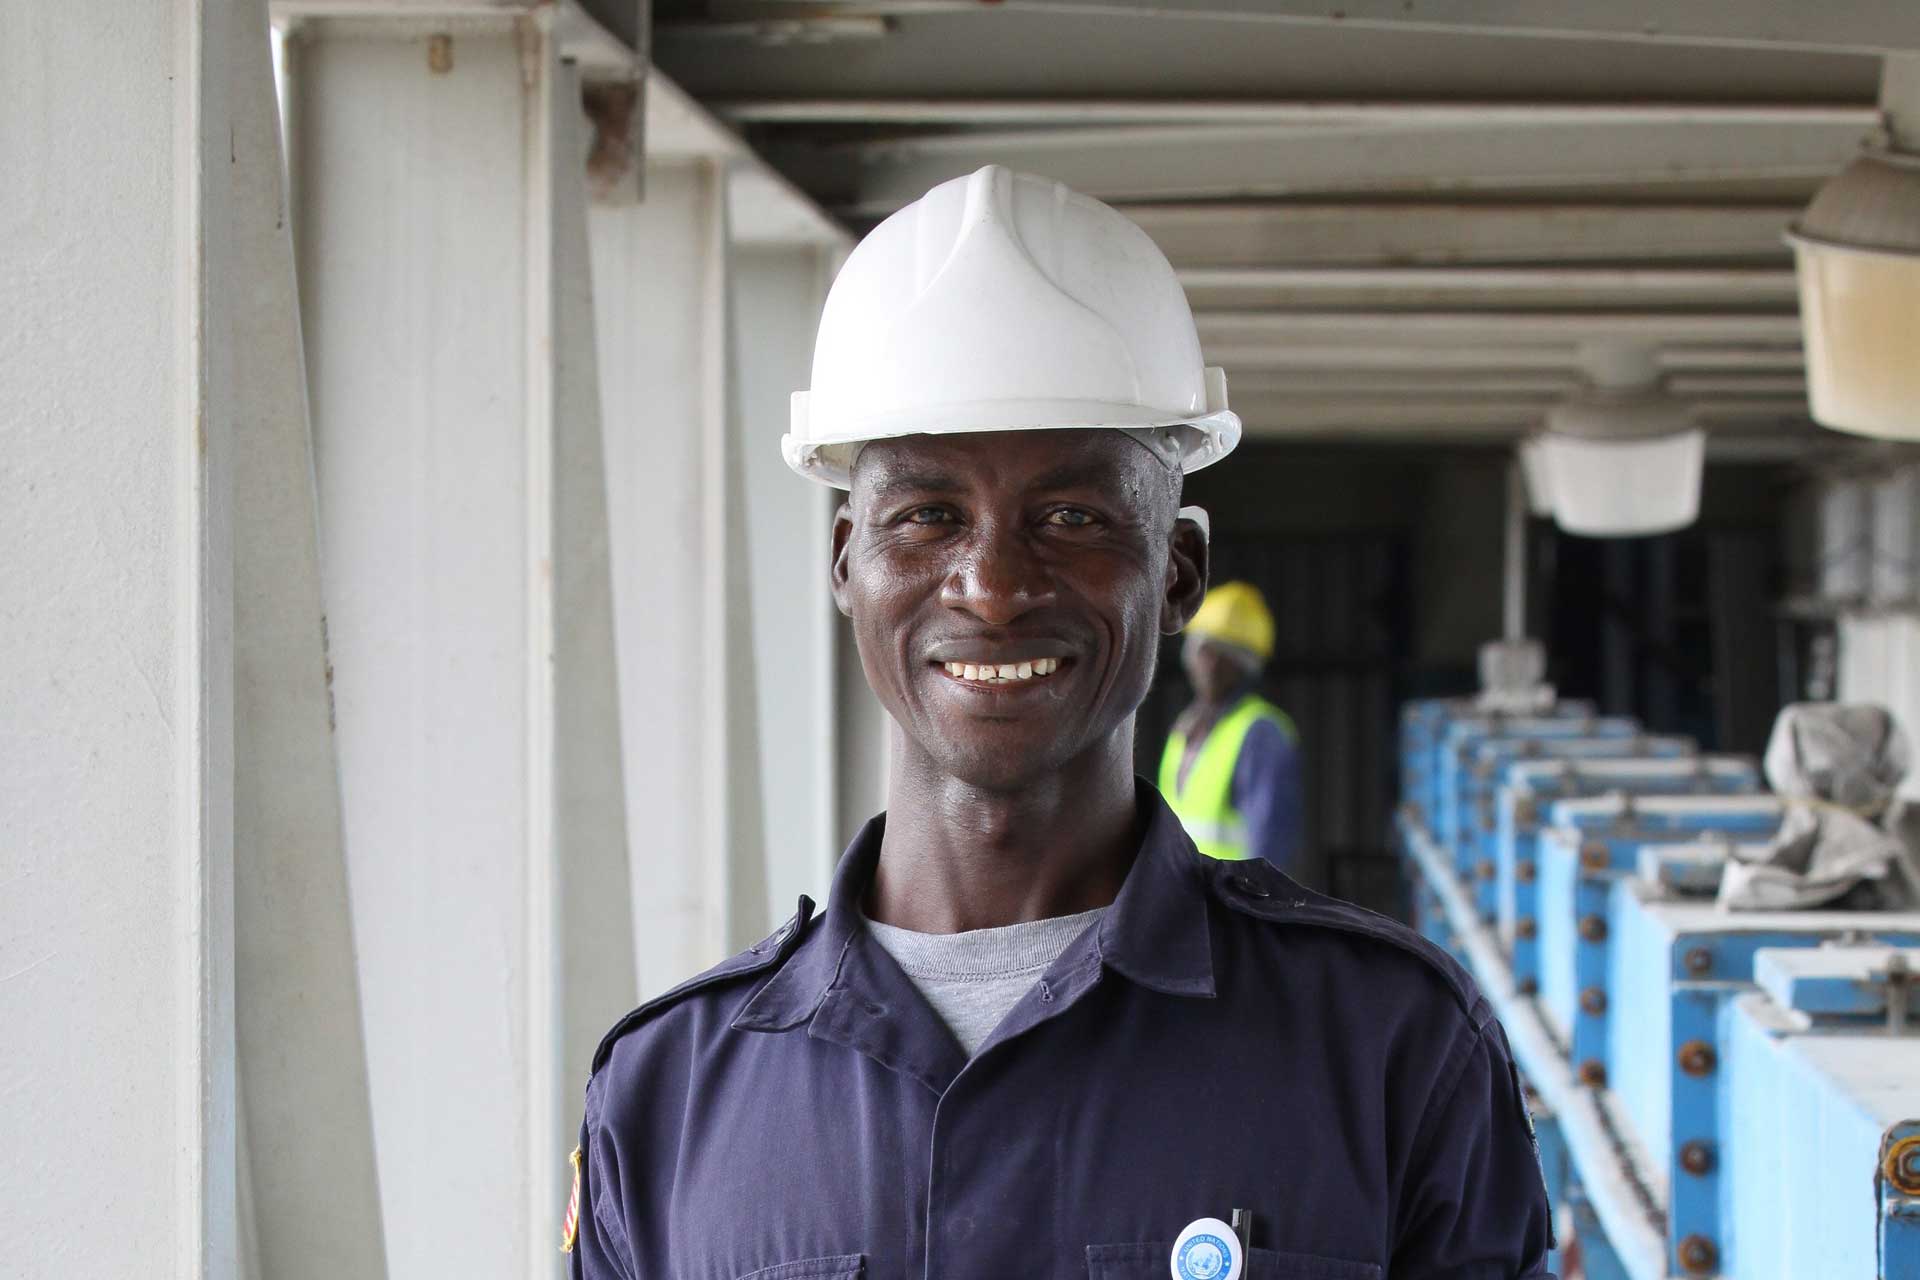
(1196, 440)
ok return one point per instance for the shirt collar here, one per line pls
(1155, 935)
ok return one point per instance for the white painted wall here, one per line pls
(117, 341)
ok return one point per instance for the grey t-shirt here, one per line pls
(972, 979)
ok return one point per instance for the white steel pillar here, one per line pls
(777, 290)
(449, 350)
(309, 1191)
(120, 266)
(683, 614)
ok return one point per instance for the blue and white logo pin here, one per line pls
(1207, 1250)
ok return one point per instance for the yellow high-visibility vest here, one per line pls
(1205, 805)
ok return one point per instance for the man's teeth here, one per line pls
(1003, 672)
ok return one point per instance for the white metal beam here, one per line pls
(1435, 233)
(1161, 162)
(680, 575)
(1560, 287)
(1358, 354)
(1518, 328)
(776, 294)
(1467, 415)
(1083, 113)
(1854, 26)
(312, 1207)
(444, 292)
(117, 1094)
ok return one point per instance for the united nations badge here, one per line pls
(1207, 1250)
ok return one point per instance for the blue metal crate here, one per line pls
(1673, 967)
(1531, 774)
(1423, 727)
(1821, 1105)
(1586, 847)
(1458, 783)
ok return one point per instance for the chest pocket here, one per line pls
(1150, 1261)
(850, 1266)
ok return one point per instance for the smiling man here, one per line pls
(1035, 1033)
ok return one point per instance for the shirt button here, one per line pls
(1249, 886)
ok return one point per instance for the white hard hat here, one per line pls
(1000, 302)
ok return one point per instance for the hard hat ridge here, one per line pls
(1003, 302)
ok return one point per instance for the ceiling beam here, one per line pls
(1841, 26)
(1479, 417)
(1260, 383)
(1049, 112)
(1441, 286)
(1184, 162)
(1358, 354)
(1518, 328)
(1437, 233)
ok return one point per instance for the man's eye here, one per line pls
(928, 515)
(1071, 518)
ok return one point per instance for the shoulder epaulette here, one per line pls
(1258, 888)
(766, 954)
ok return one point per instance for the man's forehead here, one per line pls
(1063, 458)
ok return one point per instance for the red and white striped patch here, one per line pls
(570, 1228)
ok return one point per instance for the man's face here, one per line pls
(1215, 669)
(1008, 591)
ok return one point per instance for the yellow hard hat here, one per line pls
(1236, 614)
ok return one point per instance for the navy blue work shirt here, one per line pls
(1223, 1039)
(1268, 795)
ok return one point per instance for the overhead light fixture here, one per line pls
(1533, 471)
(1622, 459)
(1623, 465)
(1857, 250)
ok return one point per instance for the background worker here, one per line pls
(1231, 770)
(1035, 1033)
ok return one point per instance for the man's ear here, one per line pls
(837, 574)
(1186, 575)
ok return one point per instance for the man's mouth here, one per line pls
(1024, 670)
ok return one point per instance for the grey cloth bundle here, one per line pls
(1838, 768)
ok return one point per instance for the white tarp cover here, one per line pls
(1838, 768)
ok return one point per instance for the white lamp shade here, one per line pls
(1616, 488)
(1860, 311)
(1533, 470)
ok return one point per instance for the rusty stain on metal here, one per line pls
(612, 109)
(440, 54)
(1485, 869)
(1697, 1058)
(1525, 928)
(1527, 986)
(1696, 1157)
(1524, 872)
(1593, 857)
(1593, 1072)
(1593, 1000)
(1697, 1255)
(1593, 928)
(1698, 961)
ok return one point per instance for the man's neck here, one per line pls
(957, 857)
(1208, 711)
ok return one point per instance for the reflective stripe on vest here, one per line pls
(1205, 804)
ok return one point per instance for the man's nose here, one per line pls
(999, 576)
